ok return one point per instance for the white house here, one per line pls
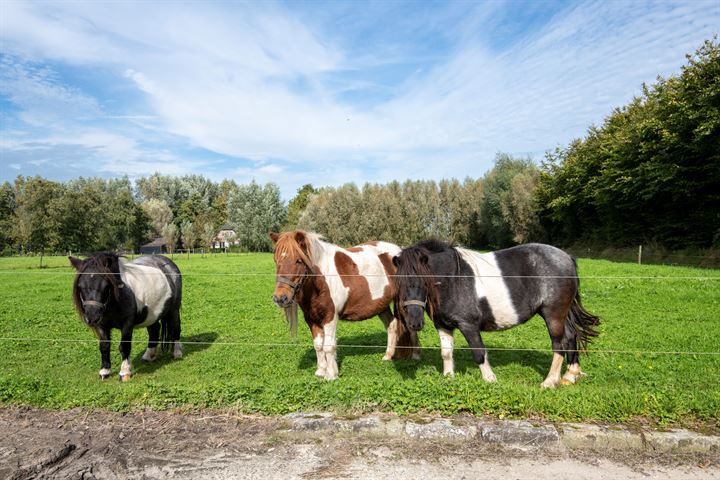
(225, 237)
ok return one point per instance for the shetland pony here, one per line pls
(332, 283)
(476, 292)
(109, 292)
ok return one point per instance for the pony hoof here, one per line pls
(547, 384)
(177, 356)
(320, 373)
(147, 360)
(104, 376)
(416, 356)
(387, 357)
(125, 378)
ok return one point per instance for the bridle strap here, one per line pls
(93, 303)
(419, 303)
(294, 286)
(289, 283)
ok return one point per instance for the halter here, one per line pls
(419, 303)
(294, 286)
(93, 303)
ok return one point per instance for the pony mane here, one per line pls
(411, 265)
(289, 245)
(106, 264)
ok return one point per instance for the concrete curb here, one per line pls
(518, 434)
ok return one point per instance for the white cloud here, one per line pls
(256, 83)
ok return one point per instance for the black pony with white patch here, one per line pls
(476, 292)
(110, 292)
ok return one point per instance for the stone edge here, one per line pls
(519, 434)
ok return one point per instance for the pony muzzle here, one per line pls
(414, 314)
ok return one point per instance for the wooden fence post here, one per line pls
(640, 255)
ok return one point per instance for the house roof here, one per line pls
(158, 242)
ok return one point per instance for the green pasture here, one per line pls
(239, 354)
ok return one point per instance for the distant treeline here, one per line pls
(649, 174)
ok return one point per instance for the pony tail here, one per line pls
(582, 322)
(165, 340)
(292, 318)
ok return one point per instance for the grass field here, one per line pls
(244, 358)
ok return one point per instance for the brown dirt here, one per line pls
(81, 444)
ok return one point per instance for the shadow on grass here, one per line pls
(538, 361)
(368, 344)
(164, 357)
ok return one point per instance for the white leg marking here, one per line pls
(177, 350)
(446, 352)
(321, 363)
(125, 370)
(391, 338)
(553, 377)
(573, 374)
(330, 349)
(104, 373)
(149, 354)
(486, 371)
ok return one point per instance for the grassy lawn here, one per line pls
(244, 358)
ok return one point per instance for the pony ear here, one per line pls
(300, 239)
(75, 262)
(396, 260)
(423, 259)
(274, 237)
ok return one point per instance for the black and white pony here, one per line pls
(476, 292)
(110, 292)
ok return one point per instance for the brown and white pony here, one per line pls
(332, 283)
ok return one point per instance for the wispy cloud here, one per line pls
(332, 93)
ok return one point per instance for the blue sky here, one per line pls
(321, 92)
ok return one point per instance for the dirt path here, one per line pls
(102, 445)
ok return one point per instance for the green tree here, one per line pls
(7, 208)
(651, 172)
(170, 235)
(159, 213)
(297, 206)
(496, 209)
(31, 228)
(188, 236)
(254, 211)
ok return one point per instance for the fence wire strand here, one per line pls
(375, 347)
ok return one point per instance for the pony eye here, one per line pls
(298, 261)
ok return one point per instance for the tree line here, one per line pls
(649, 174)
(91, 214)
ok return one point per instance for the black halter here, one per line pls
(294, 286)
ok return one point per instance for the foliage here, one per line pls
(506, 212)
(239, 355)
(7, 207)
(33, 197)
(650, 173)
(254, 211)
(188, 235)
(297, 206)
(170, 235)
(159, 213)
(400, 213)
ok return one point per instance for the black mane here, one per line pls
(103, 263)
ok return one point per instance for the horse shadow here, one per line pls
(367, 344)
(191, 345)
(535, 360)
